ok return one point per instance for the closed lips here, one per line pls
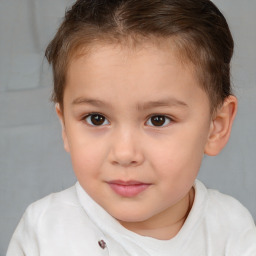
(128, 188)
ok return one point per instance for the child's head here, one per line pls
(137, 82)
(196, 29)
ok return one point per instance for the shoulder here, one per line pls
(61, 209)
(45, 212)
(227, 222)
(221, 206)
(224, 208)
(61, 200)
(228, 209)
(52, 222)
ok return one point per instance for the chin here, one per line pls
(131, 216)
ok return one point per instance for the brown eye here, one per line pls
(158, 121)
(96, 120)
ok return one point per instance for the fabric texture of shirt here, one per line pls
(71, 223)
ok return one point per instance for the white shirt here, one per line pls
(70, 223)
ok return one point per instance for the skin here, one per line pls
(127, 87)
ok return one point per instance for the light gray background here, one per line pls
(32, 160)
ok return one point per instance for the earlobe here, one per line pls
(221, 126)
(61, 118)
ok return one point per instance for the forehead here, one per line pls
(160, 51)
(137, 59)
(148, 72)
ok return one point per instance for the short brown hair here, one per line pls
(198, 28)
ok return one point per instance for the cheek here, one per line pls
(87, 157)
(179, 156)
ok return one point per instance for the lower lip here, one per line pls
(128, 190)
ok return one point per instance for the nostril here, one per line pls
(125, 163)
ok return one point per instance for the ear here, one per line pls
(64, 134)
(221, 125)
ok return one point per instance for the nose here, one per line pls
(126, 149)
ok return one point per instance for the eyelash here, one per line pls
(163, 117)
(94, 114)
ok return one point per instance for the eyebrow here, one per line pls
(93, 102)
(168, 102)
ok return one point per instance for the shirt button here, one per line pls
(102, 244)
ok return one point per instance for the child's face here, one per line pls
(136, 123)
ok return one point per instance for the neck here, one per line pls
(166, 224)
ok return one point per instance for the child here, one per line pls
(142, 89)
